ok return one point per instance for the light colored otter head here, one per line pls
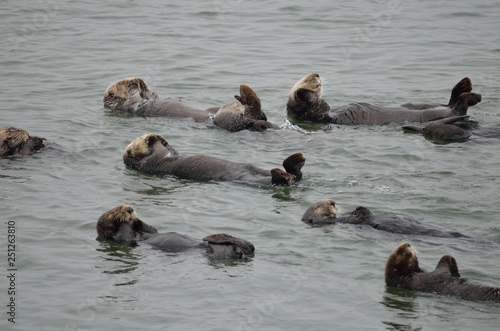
(312, 82)
(128, 94)
(321, 212)
(17, 141)
(123, 225)
(401, 263)
(141, 148)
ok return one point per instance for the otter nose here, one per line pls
(130, 210)
(316, 75)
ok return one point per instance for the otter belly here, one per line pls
(370, 114)
(206, 168)
(172, 242)
(172, 107)
(406, 225)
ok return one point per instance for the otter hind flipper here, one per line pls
(294, 163)
(466, 100)
(224, 246)
(280, 177)
(449, 263)
(465, 85)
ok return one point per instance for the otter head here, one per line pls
(321, 212)
(401, 265)
(143, 147)
(122, 224)
(18, 141)
(128, 94)
(305, 103)
(312, 82)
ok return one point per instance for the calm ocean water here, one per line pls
(59, 56)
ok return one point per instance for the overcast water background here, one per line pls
(58, 57)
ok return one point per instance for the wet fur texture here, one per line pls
(244, 113)
(402, 270)
(152, 154)
(122, 224)
(325, 212)
(305, 104)
(18, 141)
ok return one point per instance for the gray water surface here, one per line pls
(58, 57)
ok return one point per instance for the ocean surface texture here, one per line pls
(58, 57)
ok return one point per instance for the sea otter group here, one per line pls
(152, 154)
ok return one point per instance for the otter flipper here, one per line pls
(294, 163)
(280, 177)
(449, 263)
(251, 101)
(466, 100)
(225, 246)
(463, 86)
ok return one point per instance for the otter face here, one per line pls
(312, 82)
(127, 94)
(18, 141)
(123, 225)
(141, 148)
(401, 263)
(321, 212)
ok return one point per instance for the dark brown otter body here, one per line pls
(305, 104)
(324, 212)
(122, 225)
(15, 141)
(402, 270)
(448, 130)
(152, 154)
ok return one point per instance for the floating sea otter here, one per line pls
(305, 104)
(152, 154)
(15, 141)
(122, 225)
(453, 130)
(325, 212)
(134, 95)
(402, 270)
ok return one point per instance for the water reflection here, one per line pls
(402, 302)
(123, 258)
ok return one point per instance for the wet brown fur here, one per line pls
(18, 141)
(110, 222)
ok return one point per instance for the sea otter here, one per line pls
(134, 95)
(244, 113)
(402, 270)
(152, 154)
(15, 141)
(452, 129)
(325, 212)
(305, 104)
(122, 225)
